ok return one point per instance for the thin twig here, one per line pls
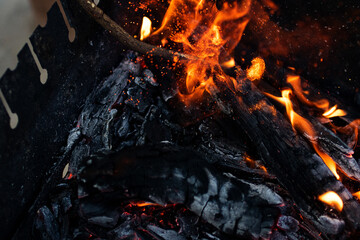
(124, 38)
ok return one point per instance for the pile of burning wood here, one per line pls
(182, 141)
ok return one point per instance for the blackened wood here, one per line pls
(171, 174)
(302, 173)
(329, 142)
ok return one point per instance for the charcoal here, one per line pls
(123, 125)
(46, 224)
(79, 153)
(165, 234)
(278, 236)
(104, 221)
(73, 137)
(149, 77)
(331, 225)
(81, 193)
(123, 231)
(153, 129)
(288, 223)
(55, 209)
(169, 93)
(134, 68)
(66, 203)
(141, 83)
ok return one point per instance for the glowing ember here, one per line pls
(145, 28)
(253, 164)
(302, 125)
(331, 198)
(144, 204)
(257, 69)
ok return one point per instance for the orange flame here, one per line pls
(357, 194)
(253, 164)
(295, 82)
(331, 198)
(350, 129)
(229, 64)
(334, 112)
(208, 34)
(302, 125)
(145, 28)
(144, 204)
(257, 69)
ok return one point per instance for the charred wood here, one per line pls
(287, 156)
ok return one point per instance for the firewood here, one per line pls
(303, 174)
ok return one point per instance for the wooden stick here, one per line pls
(124, 38)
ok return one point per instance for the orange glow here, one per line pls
(257, 69)
(70, 176)
(323, 104)
(206, 33)
(334, 112)
(253, 164)
(145, 28)
(144, 204)
(357, 194)
(304, 126)
(295, 82)
(229, 64)
(331, 198)
(352, 129)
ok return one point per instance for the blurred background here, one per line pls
(18, 19)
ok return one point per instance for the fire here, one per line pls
(323, 104)
(357, 194)
(334, 112)
(257, 69)
(229, 64)
(145, 28)
(144, 204)
(352, 129)
(302, 125)
(208, 34)
(253, 164)
(331, 198)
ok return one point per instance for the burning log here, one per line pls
(129, 148)
(284, 154)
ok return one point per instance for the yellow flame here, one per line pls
(229, 64)
(334, 112)
(295, 82)
(145, 28)
(302, 125)
(331, 198)
(357, 194)
(257, 69)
